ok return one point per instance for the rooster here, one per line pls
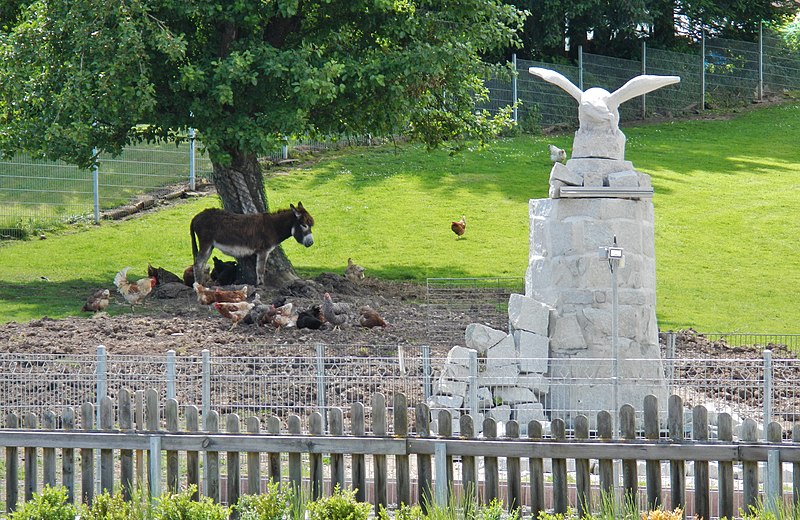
(353, 272)
(136, 292)
(370, 318)
(97, 302)
(459, 227)
(205, 296)
(334, 313)
(557, 154)
(234, 311)
(310, 318)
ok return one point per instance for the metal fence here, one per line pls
(720, 73)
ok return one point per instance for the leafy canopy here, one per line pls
(80, 74)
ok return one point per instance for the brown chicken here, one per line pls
(134, 293)
(370, 318)
(234, 311)
(334, 313)
(205, 296)
(188, 275)
(233, 296)
(459, 227)
(281, 317)
(97, 302)
(353, 272)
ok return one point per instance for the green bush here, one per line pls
(271, 505)
(110, 507)
(50, 504)
(180, 506)
(341, 505)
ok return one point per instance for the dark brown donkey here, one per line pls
(243, 235)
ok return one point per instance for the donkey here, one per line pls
(240, 235)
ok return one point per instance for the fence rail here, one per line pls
(142, 423)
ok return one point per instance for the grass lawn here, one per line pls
(725, 226)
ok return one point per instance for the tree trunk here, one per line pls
(240, 186)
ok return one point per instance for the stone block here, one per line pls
(626, 179)
(450, 387)
(534, 351)
(567, 335)
(484, 398)
(526, 313)
(528, 412)
(499, 376)
(554, 192)
(537, 382)
(501, 413)
(561, 173)
(479, 337)
(593, 179)
(445, 401)
(514, 395)
(459, 356)
(502, 354)
(455, 372)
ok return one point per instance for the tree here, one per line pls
(80, 75)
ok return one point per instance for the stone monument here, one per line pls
(589, 302)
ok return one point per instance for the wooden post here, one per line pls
(87, 456)
(193, 457)
(491, 469)
(445, 420)
(295, 459)
(234, 485)
(152, 420)
(773, 499)
(749, 468)
(138, 417)
(652, 467)
(469, 478)
(514, 471)
(173, 461)
(424, 468)
(677, 475)
(582, 473)
(796, 466)
(12, 468)
(359, 471)
(605, 467)
(30, 422)
(536, 466)
(126, 476)
(315, 427)
(107, 456)
(336, 427)
(725, 429)
(68, 457)
(560, 484)
(630, 477)
(212, 458)
(401, 462)
(49, 454)
(253, 460)
(702, 505)
(379, 461)
(274, 459)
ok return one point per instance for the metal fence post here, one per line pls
(285, 149)
(206, 409)
(580, 67)
(774, 495)
(96, 187)
(473, 384)
(101, 378)
(440, 474)
(192, 166)
(760, 61)
(670, 365)
(170, 374)
(644, 71)
(321, 385)
(703, 70)
(427, 389)
(514, 95)
(155, 466)
(767, 389)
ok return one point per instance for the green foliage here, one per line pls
(265, 506)
(50, 504)
(341, 505)
(181, 506)
(404, 512)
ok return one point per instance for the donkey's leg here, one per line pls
(200, 261)
(261, 265)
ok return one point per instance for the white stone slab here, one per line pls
(450, 387)
(500, 376)
(501, 414)
(459, 356)
(480, 337)
(502, 354)
(445, 401)
(625, 179)
(561, 173)
(528, 412)
(526, 313)
(539, 383)
(567, 335)
(514, 395)
(534, 351)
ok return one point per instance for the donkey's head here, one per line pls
(301, 227)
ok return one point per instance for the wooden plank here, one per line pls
(490, 465)
(30, 421)
(605, 465)
(702, 490)
(68, 457)
(234, 481)
(106, 455)
(359, 470)
(536, 467)
(582, 471)
(652, 467)
(796, 466)
(560, 483)
(630, 477)
(422, 416)
(12, 468)
(212, 459)
(749, 468)
(445, 422)
(87, 456)
(273, 458)
(126, 475)
(138, 418)
(192, 456)
(295, 460)
(253, 460)
(401, 462)
(315, 427)
(469, 482)
(380, 475)
(775, 437)
(677, 468)
(725, 479)
(514, 472)
(152, 421)
(173, 461)
(336, 427)
(49, 454)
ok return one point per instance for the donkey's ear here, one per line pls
(300, 205)
(295, 211)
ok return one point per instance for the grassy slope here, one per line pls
(725, 233)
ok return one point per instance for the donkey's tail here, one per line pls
(194, 239)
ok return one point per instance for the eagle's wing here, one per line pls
(559, 80)
(638, 86)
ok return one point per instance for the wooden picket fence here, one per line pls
(134, 448)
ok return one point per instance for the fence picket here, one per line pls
(336, 427)
(173, 459)
(379, 461)
(582, 475)
(630, 477)
(514, 471)
(274, 459)
(796, 467)
(445, 422)
(126, 477)
(424, 464)
(560, 491)
(652, 467)
(253, 460)
(233, 459)
(106, 455)
(749, 468)
(536, 465)
(29, 421)
(12, 468)
(212, 459)
(401, 462)
(469, 480)
(725, 481)
(359, 471)
(192, 457)
(315, 427)
(68, 457)
(490, 465)
(87, 456)
(295, 460)
(677, 477)
(49, 454)
(702, 505)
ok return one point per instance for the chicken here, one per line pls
(310, 318)
(459, 227)
(238, 295)
(136, 292)
(188, 275)
(334, 313)
(370, 318)
(281, 317)
(97, 302)
(235, 312)
(224, 273)
(205, 296)
(353, 272)
(161, 275)
(557, 154)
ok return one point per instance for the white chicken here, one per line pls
(557, 154)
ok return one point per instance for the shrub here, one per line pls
(271, 505)
(109, 507)
(50, 504)
(180, 506)
(341, 505)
